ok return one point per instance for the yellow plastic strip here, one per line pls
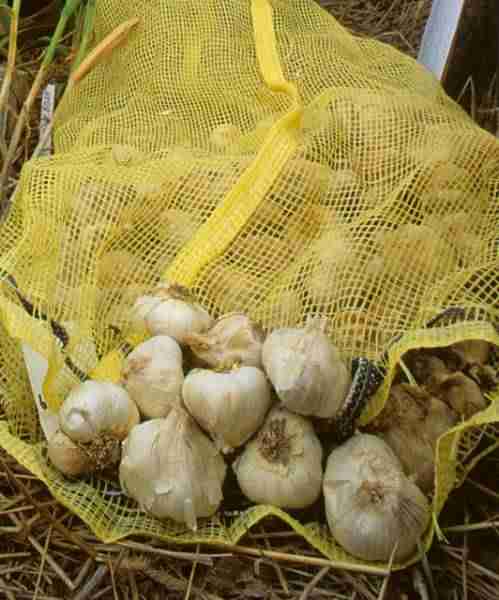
(215, 235)
(266, 50)
(19, 324)
(228, 219)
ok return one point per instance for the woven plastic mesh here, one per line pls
(258, 153)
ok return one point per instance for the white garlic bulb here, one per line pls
(234, 338)
(306, 370)
(371, 506)
(68, 457)
(97, 408)
(282, 466)
(229, 405)
(172, 469)
(171, 311)
(153, 376)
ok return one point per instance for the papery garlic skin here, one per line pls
(411, 423)
(94, 408)
(471, 352)
(229, 405)
(306, 371)
(459, 392)
(172, 469)
(67, 457)
(234, 338)
(153, 376)
(282, 466)
(371, 506)
(170, 311)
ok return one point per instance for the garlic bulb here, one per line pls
(471, 352)
(153, 376)
(172, 469)
(412, 249)
(229, 405)
(282, 466)
(171, 311)
(411, 423)
(68, 457)
(98, 410)
(234, 338)
(371, 506)
(306, 370)
(225, 135)
(461, 393)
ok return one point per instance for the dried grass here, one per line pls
(396, 22)
(47, 553)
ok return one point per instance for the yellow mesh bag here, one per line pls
(258, 153)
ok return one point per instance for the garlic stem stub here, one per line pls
(94, 408)
(172, 469)
(306, 370)
(234, 338)
(171, 311)
(282, 466)
(371, 506)
(153, 376)
(229, 405)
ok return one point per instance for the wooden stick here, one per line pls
(92, 583)
(277, 568)
(42, 564)
(205, 559)
(55, 567)
(311, 585)
(304, 560)
(191, 577)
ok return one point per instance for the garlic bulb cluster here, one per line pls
(282, 466)
(199, 388)
(172, 469)
(171, 311)
(306, 370)
(230, 405)
(234, 338)
(153, 376)
(372, 508)
(93, 420)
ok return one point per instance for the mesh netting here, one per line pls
(258, 153)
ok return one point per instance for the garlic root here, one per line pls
(282, 466)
